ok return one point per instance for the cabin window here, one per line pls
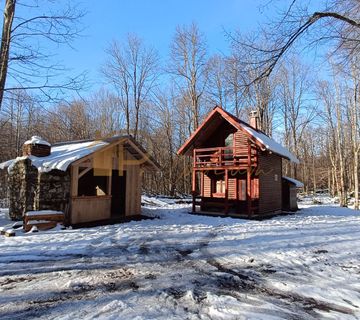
(220, 186)
(242, 190)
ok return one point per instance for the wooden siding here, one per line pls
(86, 209)
(270, 173)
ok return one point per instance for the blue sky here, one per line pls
(155, 22)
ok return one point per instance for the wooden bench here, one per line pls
(43, 220)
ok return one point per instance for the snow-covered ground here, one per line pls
(181, 266)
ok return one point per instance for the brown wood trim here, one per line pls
(91, 197)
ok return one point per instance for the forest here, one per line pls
(300, 71)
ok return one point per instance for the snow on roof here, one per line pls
(37, 140)
(271, 144)
(61, 156)
(297, 183)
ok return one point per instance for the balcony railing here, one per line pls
(224, 156)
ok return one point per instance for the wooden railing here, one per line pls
(224, 156)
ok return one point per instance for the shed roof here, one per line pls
(63, 154)
(259, 137)
(297, 183)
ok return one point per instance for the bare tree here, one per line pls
(335, 23)
(297, 110)
(260, 96)
(27, 36)
(217, 86)
(189, 66)
(233, 78)
(133, 70)
(106, 114)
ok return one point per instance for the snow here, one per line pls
(61, 156)
(39, 222)
(8, 163)
(37, 140)
(297, 183)
(42, 212)
(182, 266)
(271, 144)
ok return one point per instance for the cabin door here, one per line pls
(118, 192)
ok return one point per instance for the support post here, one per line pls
(74, 180)
(249, 195)
(193, 190)
(108, 187)
(202, 183)
(226, 191)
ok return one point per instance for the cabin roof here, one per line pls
(213, 120)
(63, 154)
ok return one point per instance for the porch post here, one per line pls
(226, 191)
(249, 194)
(193, 190)
(202, 184)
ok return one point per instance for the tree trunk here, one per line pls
(9, 12)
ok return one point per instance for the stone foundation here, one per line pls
(30, 190)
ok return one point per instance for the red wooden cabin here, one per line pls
(237, 169)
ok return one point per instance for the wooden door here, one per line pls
(118, 193)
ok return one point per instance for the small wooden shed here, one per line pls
(289, 193)
(88, 180)
(237, 168)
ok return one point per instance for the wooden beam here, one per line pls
(193, 190)
(74, 180)
(202, 183)
(236, 188)
(226, 191)
(249, 195)
(108, 186)
(83, 172)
